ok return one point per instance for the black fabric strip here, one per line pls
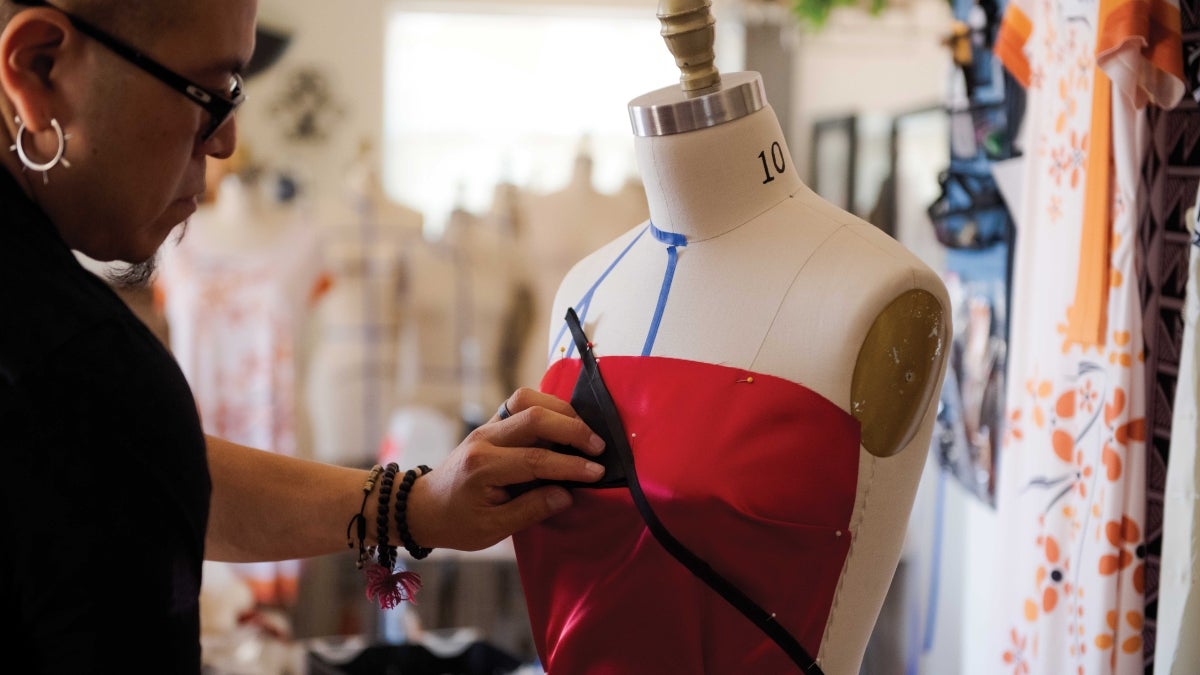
(732, 594)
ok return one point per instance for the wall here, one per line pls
(857, 64)
(348, 47)
(866, 64)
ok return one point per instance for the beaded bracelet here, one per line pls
(360, 520)
(384, 554)
(410, 477)
(389, 588)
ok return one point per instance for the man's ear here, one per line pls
(31, 48)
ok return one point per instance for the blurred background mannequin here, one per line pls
(745, 279)
(559, 228)
(366, 242)
(482, 249)
(428, 369)
(351, 389)
(463, 307)
(458, 295)
(238, 293)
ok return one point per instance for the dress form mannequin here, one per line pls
(775, 281)
(454, 306)
(507, 219)
(237, 296)
(427, 371)
(458, 303)
(483, 250)
(243, 217)
(559, 229)
(457, 297)
(351, 387)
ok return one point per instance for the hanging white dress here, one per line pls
(236, 320)
(1071, 490)
(1177, 650)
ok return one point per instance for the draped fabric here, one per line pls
(755, 474)
(235, 325)
(1177, 650)
(1071, 491)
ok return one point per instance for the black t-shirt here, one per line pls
(102, 467)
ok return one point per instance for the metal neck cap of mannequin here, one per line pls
(670, 110)
(702, 98)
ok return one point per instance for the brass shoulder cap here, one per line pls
(898, 371)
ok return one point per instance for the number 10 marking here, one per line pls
(776, 160)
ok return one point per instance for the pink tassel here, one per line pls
(391, 588)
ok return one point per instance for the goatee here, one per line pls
(132, 275)
(138, 275)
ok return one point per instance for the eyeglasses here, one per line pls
(219, 105)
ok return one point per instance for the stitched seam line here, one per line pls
(854, 527)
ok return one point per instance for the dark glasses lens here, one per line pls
(236, 92)
(221, 110)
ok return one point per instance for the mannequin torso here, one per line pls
(460, 291)
(364, 236)
(237, 292)
(244, 218)
(483, 251)
(774, 280)
(559, 229)
(427, 369)
(364, 240)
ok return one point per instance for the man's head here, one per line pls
(137, 144)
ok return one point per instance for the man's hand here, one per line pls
(463, 503)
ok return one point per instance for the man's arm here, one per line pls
(273, 507)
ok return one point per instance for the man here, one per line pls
(112, 494)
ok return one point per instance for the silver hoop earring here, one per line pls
(54, 161)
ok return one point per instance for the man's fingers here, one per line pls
(521, 465)
(532, 507)
(538, 425)
(525, 398)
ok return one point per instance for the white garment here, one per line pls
(1177, 651)
(1071, 497)
(236, 319)
(352, 372)
(459, 296)
(557, 230)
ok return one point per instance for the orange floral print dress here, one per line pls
(1071, 489)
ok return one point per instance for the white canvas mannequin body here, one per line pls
(365, 237)
(237, 296)
(459, 291)
(483, 290)
(427, 372)
(558, 229)
(775, 280)
(244, 217)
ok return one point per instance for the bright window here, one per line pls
(476, 97)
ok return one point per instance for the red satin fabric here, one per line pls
(756, 477)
